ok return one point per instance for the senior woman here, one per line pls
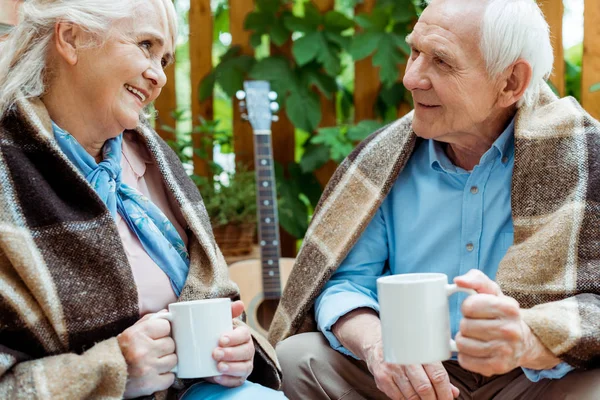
(99, 225)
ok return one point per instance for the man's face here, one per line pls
(446, 73)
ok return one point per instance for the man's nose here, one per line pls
(415, 76)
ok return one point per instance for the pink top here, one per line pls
(140, 172)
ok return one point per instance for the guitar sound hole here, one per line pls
(265, 312)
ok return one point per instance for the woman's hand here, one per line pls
(235, 354)
(150, 355)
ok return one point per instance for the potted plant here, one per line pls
(229, 196)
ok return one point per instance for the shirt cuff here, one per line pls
(559, 371)
(336, 306)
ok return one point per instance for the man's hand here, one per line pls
(235, 354)
(493, 339)
(398, 382)
(426, 382)
(150, 356)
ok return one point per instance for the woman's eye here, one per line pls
(164, 62)
(146, 44)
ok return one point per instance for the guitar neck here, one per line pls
(268, 221)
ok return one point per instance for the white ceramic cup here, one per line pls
(415, 318)
(196, 327)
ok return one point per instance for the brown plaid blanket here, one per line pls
(553, 268)
(66, 288)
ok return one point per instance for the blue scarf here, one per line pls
(157, 234)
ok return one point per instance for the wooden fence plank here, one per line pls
(243, 141)
(366, 82)
(201, 38)
(328, 108)
(165, 104)
(554, 10)
(591, 58)
(284, 143)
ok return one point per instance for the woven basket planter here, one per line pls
(235, 239)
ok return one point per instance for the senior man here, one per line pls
(493, 181)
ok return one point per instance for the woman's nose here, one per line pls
(156, 75)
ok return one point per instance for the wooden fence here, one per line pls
(366, 78)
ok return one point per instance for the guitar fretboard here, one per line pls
(268, 222)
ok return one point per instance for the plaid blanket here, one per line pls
(553, 268)
(66, 287)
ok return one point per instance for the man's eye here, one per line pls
(441, 62)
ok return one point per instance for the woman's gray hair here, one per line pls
(24, 54)
(512, 30)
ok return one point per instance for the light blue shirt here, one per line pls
(437, 218)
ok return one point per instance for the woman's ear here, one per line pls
(517, 79)
(67, 38)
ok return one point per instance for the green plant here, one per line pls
(230, 197)
(324, 46)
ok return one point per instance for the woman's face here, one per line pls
(120, 78)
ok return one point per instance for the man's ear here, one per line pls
(67, 38)
(516, 81)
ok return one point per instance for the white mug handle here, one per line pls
(169, 317)
(450, 290)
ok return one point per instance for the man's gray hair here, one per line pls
(24, 55)
(512, 30)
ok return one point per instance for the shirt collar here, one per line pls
(502, 148)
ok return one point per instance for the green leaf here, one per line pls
(388, 57)
(376, 21)
(231, 80)
(364, 44)
(306, 48)
(304, 110)
(275, 68)
(343, 42)
(362, 130)
(256, 39)
(329, 136)
(335, 21)
(404, 12)
(268, 5)
(207, 86)
(595, 87)
(400, 42)
(325, 83)
(297, 24)
(314, 157)
(308, 183)
(279, 34)
(312, 13)
(394, 95)
(257, 21)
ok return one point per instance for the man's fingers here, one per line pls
(238, 353)
(490, 329)
(455, 391)
(420, 382)
(485, 306)
(441, 381)
(478, 281)
(388, 385)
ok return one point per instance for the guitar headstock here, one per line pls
(257, 104)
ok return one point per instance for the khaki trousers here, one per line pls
(312, 370)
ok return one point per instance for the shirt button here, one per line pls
(470, 246)
(504, 160)
(474, 190)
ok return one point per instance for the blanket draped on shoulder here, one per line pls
(66, 286)
(553, 268)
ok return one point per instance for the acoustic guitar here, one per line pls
(261, 281)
